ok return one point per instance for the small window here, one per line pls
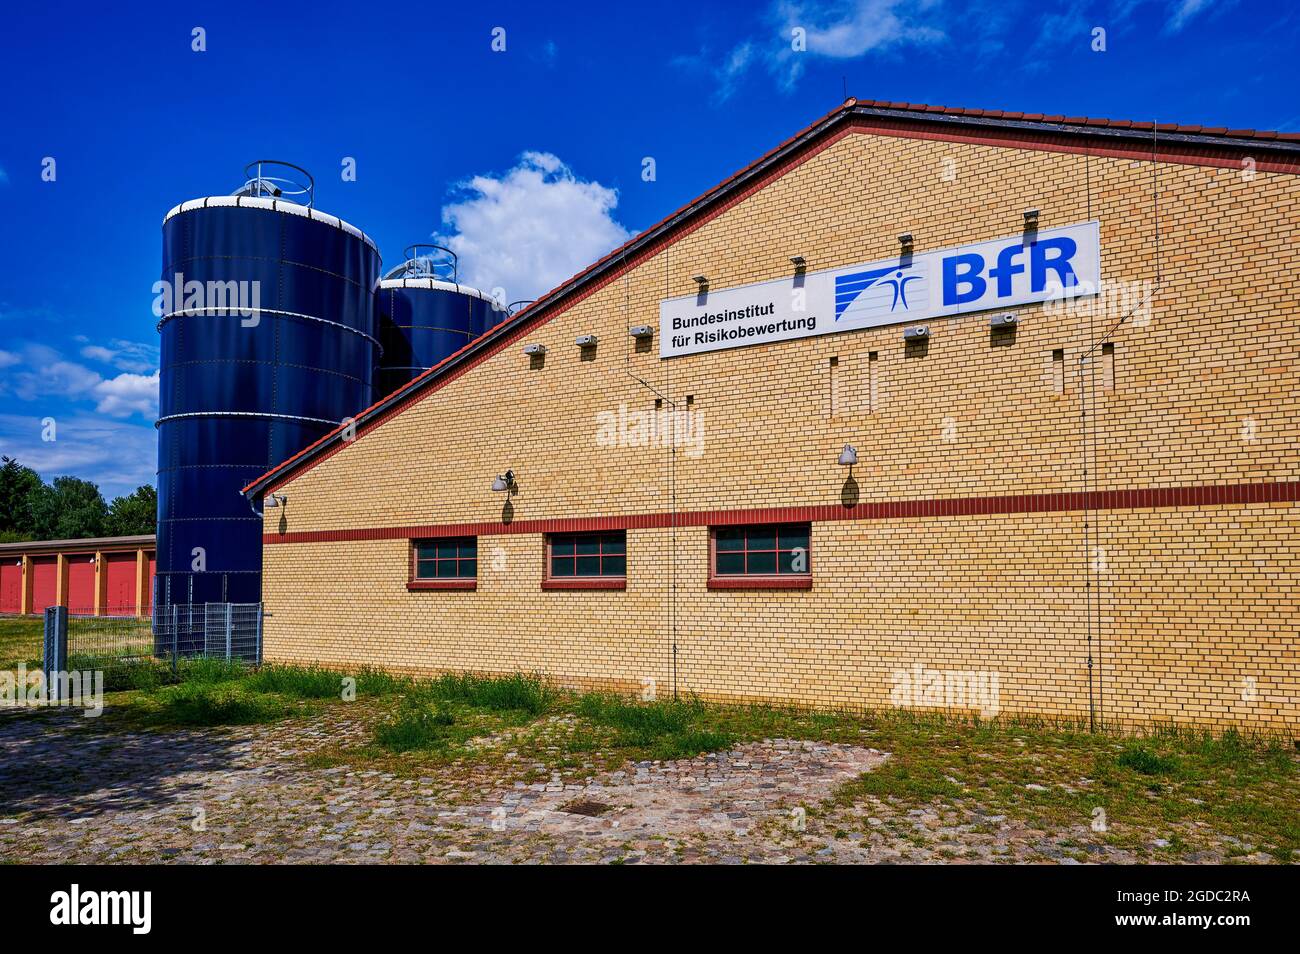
(450, 563)
(768, 556)
(586, 561)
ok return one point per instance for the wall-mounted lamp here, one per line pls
(504, 482)
(905, 239)
(535, 350)
(585, 341)
(1031, 218)
(1005, 320)
(916, 333)
(848, 456)
(641, 331)
(275, 500)
(702, 281)
(799, 262)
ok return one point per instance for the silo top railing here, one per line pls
(426, 260)
(260, 184)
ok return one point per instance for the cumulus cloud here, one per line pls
(42, 373)
(531, 228)
(118, 456)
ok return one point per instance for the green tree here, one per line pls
(71, 508)
(19, 486)
(135, 513)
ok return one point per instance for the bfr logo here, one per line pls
(964, 279)
(849, 287)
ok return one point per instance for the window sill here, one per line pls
(448, 584)
(585, 583)
(760, 582)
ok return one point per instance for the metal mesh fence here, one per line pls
(231, 631)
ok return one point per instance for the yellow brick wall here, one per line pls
(1196, 607)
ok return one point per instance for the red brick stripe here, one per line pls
(1144, 499)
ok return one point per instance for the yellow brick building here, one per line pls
(1091, 513)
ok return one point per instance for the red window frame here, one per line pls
(760, 581)
(574, 581)
(416, 582)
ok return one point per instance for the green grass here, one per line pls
(1189, 788)
(657, 730)
(1164, 784)
(517, 692)
(416, 725)
(216, 704)
(21, 641)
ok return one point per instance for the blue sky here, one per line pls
(454, 139)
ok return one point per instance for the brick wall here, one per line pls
(1194, 612)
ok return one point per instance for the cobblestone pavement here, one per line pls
(247, 796)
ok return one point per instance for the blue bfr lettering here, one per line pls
(1040, 262)
(962, 281)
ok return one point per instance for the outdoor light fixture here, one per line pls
(504, 481)
(275, 500)
(585, 341)
(1005, 320)
(905, 238)
(702, 281)
(848, 456)
(798, 261)
(1031, 217)
(916, 333)
(535, 350)
(641, 331)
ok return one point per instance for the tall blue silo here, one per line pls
(424, 315)
(267, 344)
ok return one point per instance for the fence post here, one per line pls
(176, 627)
(259, 634)
(229, 608)
(55, 658)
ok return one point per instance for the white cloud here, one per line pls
(831, 29)
(114, 454)
(1182, 11)
(128, 394)
(531, 228)
(8, 359)
(134, 356)
(43, 373)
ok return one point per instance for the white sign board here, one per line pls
(1051, 264)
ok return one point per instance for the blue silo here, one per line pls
(424, 315)
(268, 342)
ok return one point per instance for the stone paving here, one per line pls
(247, 796)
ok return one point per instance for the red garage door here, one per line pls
(45, 582)
(11, 585)
(119, 596)
(148, 593)
(81, 583)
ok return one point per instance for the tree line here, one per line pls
(68, 508)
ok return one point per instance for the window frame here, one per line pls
(758, 581)
(417, 583)
(550, 582)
